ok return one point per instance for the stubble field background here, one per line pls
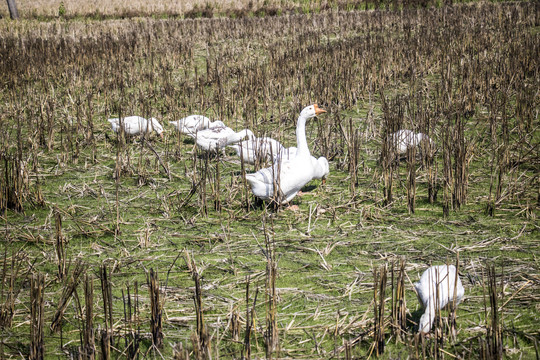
(83, 208)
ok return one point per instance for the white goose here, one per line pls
(134, 125)
(442, 280)
(193, 123)
(261, 149)
(321, 168)
(218, 137)
(289, 175)
(404, 139)
(320, 165)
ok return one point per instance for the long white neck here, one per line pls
(426, 320)
(301, 142)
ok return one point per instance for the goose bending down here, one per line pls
(289, 175)
(218, 137)
(437, 289)
(193, 123)
(261, 149)
(404, 139)
(134, 125)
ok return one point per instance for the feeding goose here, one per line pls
(193, 123)
(134, 125)
(405, 139)
(439, 287)
(219, 137)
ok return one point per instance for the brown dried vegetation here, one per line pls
(466, 75)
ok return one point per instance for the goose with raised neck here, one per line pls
(291, 175)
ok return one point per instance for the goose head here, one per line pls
(424, 325)
(157, 126)
(311, 111)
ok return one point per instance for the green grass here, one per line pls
(326, 252)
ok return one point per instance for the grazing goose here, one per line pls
(289, 175)
(218, 137)
(258, 148)
(134, 125)
(441, 279)
(193, 123)
(404, 139)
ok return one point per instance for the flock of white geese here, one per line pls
(292, 168)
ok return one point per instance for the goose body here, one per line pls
(288, 175)
(134, 125)
(437, 289)
(261, 149)
(218, 137)
(193, 123)
(321, 168)
(404, 139)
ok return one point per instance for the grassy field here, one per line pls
(84, 209)
(101, 9)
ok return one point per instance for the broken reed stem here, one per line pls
(60, 249)
(204, 178)
(399, 305)
(461, 164)
(379, 289)
(68, 290)
(201, 340)
(250, 321)
(37, 288)
(131, 318)
(106, 292)
(7, 308)
(89, 345)
(430, 164)
(411, 178)
(216, 190)
(447, 169)
(272, 333)
(179, 353)
(353, 145)
(120, 144)
(13, 183)
(494, 328)
(90, 138)
(149, 145)
(235, 325)
(156, 309)
(246, 351)
(246, 189)
(141, 176)
(453, 308)
(387, 151)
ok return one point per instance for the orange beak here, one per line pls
(318, 110)
(161, 135)
(323, 181)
